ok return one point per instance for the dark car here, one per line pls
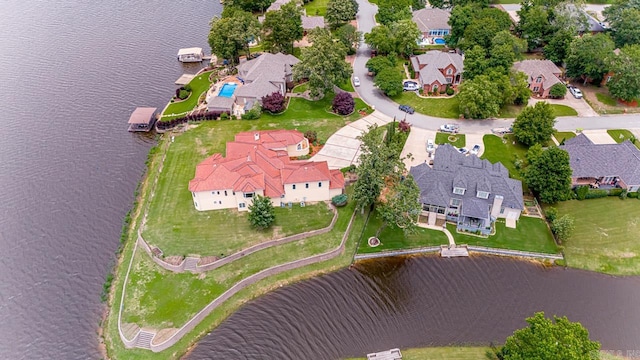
(406, 108)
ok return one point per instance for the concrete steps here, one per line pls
(191, 263)
(454, 251)
(144, 340)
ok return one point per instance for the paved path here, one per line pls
(599, 136)
(579, 105)
(343, 147)
(440, 228)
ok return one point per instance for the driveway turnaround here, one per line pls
(343, 147)
(599, 136)
(472, 139)
(416, 145)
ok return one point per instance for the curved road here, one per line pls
(373, 96)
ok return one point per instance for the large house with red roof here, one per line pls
(259, 163)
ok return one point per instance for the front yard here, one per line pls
(621, 135)
(602, 102)
(395, 239)
(605, 238)
(457, 140)
(531, 234)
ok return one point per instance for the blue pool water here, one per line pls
(227, 90)
(439, 41)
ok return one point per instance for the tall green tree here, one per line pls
(400, 37)
(533, 25)
(398, 205)
(550, 175)
(534, 125)
(625, 29)
(380, 39)
(587, 57)
(379, 63)
(480, 98)
(390, 11)
(389, 80)
(460, 18)
(545, 339)
(558, 46)
(625, 83)
(231, 35)
(475, 62)
(248, 5)
(341, 11)
(485, 25)
(261, 213)
(323, 63)
(281, 28)
(349, 36)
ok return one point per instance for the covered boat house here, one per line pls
(142, 119)
(194, 54)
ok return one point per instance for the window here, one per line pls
(241, 205)
(536, 88)
(435, 88)
(458, 191)
(449, 79)
(306, 186)
(482, 194)
(194, 194)
(282, 196)
(449, 71)
(608, 78)
(319, 184)
(539, 79)
(293, 186)
(502, 210)
(455, 202)
(234, 193)
(218, 192)
(225, 193)
(248, 195)
(299, 146)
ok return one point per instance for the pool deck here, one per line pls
(215, 88)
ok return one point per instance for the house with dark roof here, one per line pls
(436, 69)
(259, 163)
(433, 23)
(541, 75)
(468, 191)
(264, 75)
(603, 166)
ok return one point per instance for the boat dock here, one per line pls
(393, 354)
(142, 119)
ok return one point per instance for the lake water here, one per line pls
(71, 73)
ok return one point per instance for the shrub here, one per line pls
(343, 103)
(551, 213)
(615, 192)
(273, 103)
(224, 116)
(187, 87)
(623, 195)
(311, 135)
(183, 94)
(558, 90)
(581, 192)
(254, 113)
(339, 200)
(450, 91)
(633, 195)
(404, 126)
(594, 194)
(562, 227)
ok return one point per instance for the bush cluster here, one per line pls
(165, 125)
(311, 135)
(273, 103)
(339, 200)
(343, 103)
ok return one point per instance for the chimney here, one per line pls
(497, 204)
(256, 136)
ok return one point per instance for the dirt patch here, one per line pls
(174, 260)
(207, 260)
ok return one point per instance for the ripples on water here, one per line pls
(71, 73)
(418, 302)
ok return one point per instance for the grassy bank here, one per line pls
(199, 85)
(395, 239)
(605, 238)
(437, 353)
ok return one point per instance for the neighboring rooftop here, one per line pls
(534, 68)
(142, 115)
(431, 19)
(312, 22)
(265, 74)
(595, 160)
(433, 62)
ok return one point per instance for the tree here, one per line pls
(281, 28)
(392, 11)
(479, 98)
(558, 46)
(389, 80)
(379, 63)
(587, 57)
(475, 62)
(230, 35)
(380, 39)
(261, 212)
(343, 103)
(484, 26)
(323, 63)
(399, 37)
(545, 339)
(460, 18)
(349, 36)
(534, 125)
(248, 5)
(399, 205)
(625, 83)
(273, 103)
(534, 25)
(558, 91)
(562, 227)
(550, 175)
(519, 87)
(625, 29)
(341, 11)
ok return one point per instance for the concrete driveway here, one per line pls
(416, 145)
(474, 139)
(599, 136)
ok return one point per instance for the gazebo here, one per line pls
(142, 119)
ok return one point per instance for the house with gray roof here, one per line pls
(541, 75)
(263, 76)
(432, 22)
(436, 69)
(603, 166)
(468, 191)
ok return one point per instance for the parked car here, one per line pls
(575, 92)
(502, 130)
(356, 81)
(463, 150)
(430, 146)
(410, 86)
(406, 108)
(449, 128)
(475, 149)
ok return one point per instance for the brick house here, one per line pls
(436, 69)
(541, 75)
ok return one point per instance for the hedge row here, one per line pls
(166, 125)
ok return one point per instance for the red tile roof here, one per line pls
(251, 165)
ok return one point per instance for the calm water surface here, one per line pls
(71, 72)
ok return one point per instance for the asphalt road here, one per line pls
(381, 102)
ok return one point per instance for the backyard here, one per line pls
(395, 239)
(531, 234)
(605, 238)
(316, 7)
(457, 140)
(199, 85)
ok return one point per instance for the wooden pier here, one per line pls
(393, 354)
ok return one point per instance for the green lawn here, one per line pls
(606, 232)
(300, 88)
(444, 107)
(199, 85)
(174, 224)
(606, 99)
(458, 139)
(316, 7)
(394, 238)
(347, 86)
(564, 135)
(531, 234)
(512, 111)
(506, 152)
(621, 135)
(443, 353)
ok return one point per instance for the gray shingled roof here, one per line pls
(261, 73)
(256, 89)
(431, 19)
(312, 22)
(220, 102)
(596, 160)
(436, 184)
(534, 68)
(436, 60)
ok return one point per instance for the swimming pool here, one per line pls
(227, 90)
(439, 41)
